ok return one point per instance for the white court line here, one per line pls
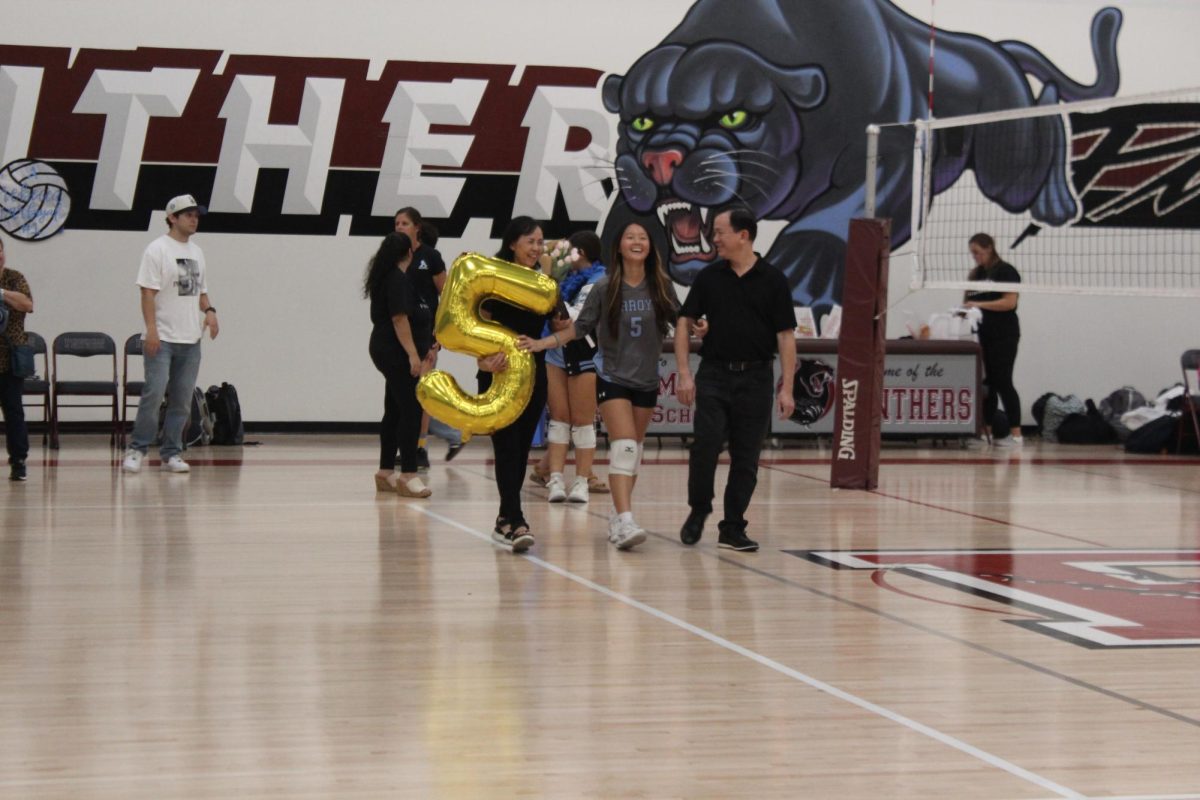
(1140, 797)
(783, 669)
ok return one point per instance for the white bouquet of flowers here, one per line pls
(560, 255)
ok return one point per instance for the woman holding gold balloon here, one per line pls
(631, 309)
(521, 244)
(400, 340)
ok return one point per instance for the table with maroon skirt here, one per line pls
(931, 389)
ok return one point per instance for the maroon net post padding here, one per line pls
(859, 380)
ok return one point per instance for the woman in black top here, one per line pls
(400, 340)
(521, 244)
(999, 332)
(428, 279)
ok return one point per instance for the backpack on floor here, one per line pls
(1119, 402)
(198, 430)
(227, 415)
(1039, 409)
(1086, 428)
(1057, 409)
(1155, 437)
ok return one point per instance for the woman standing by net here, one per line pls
(999, 333)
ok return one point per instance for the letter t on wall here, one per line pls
(129, 100)
(19, 90)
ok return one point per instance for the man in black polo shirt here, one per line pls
(748, 306)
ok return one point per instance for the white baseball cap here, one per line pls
(184, 202)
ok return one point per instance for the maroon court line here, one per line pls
(995, 520)
(880, 578)
(1127, 479)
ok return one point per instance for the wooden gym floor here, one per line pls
(1014, 624)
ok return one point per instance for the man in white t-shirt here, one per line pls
(176, 311)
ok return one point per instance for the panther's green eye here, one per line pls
(642, 124)
(734, 120)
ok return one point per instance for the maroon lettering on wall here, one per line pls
(185, 150)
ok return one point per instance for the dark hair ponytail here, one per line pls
(394, 248)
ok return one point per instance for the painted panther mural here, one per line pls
(765, 102)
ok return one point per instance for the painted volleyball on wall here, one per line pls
(34, 200)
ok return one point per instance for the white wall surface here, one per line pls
(294, 326)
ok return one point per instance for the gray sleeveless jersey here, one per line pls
(629, 356)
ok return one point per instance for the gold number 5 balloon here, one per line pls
(459, 327)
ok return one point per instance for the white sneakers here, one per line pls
(624, 532)
(556, 487)
(579, 490)
(1008, 441)
(175, 464)
(133, 463)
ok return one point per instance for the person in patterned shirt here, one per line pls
(15, 302)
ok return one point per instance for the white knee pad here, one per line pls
(584, 436)
(623, 457)
(559, 432)
(638, 466)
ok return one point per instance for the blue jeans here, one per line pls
(172, 372)
(443, 431)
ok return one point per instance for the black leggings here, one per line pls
(999, 358)
(511, 446)
(401, 423)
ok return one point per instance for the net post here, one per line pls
(921, 132)
(858, 419)
(872, 169)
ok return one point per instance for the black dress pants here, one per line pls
(734, 407)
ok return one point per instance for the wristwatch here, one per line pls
(210, 308)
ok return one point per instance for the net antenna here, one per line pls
(1112, 208)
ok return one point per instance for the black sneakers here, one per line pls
(453, 451)
(422, 459)
(17, 471)
(693, 527)
(733, 536)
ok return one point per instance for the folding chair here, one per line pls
(133, 347)
(1189, 362)
(82, 345)
(39, 385)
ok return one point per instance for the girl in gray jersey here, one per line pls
(631, 309)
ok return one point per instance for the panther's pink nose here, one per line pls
(662, 164)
